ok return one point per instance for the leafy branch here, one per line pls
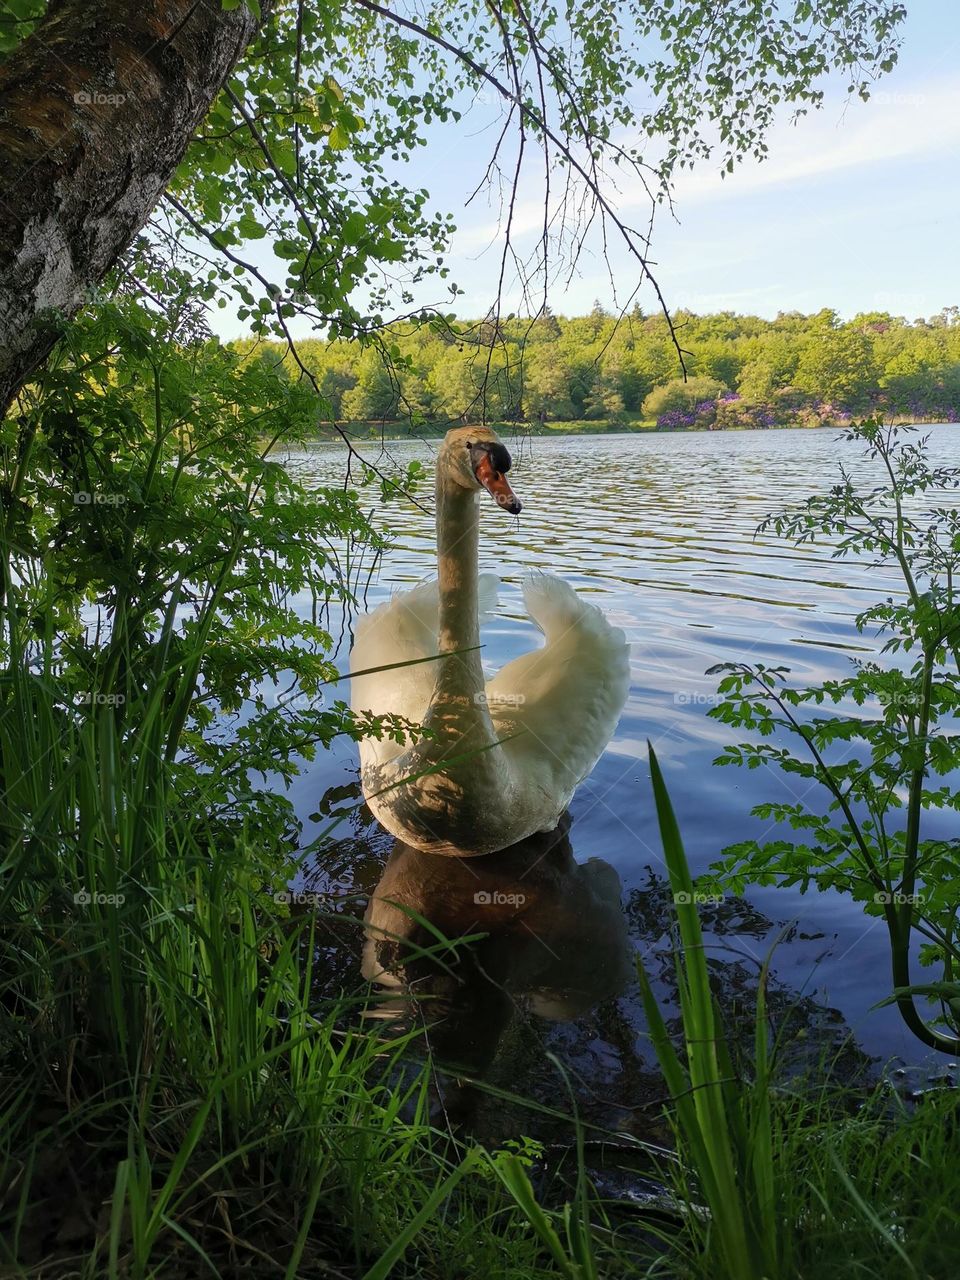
(892, 728)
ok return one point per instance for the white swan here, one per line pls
(502, 759)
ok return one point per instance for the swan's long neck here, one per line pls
(458, 533)
(460, 784)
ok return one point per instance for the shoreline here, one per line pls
(394, 431)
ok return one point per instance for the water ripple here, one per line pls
(659, 531)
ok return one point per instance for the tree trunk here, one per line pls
(97, 107)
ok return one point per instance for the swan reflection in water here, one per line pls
(555, 942)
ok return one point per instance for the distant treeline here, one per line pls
(741, 370)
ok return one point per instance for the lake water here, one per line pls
(658, 530)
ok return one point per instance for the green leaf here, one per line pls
(354, 229)
(250, 228)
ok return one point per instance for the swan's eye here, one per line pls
(500, 457)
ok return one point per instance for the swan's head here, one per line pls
(476, 458)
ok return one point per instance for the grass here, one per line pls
(403, 430)
(627, 424)
(792, 1182)
(175, 1101)
(174, 1098)
(174, 1065)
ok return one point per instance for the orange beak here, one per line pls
(497, 485)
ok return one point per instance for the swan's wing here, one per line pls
(404, 630)
(563, 700)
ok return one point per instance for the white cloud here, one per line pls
(852, 209)
(893, 126)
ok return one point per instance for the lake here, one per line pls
(658, 530)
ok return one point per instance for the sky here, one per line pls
(856, 207)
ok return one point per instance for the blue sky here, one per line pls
(856, 207)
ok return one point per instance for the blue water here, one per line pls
(659, 531)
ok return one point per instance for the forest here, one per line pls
(741, 371)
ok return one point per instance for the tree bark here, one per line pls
(97, 107)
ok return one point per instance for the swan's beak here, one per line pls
(497, 485)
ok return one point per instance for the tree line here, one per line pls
(741, 370)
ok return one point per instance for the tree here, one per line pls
(836, 366)
(618, 366)
(908, 380)
(546, 383)
(99, 106)
(338, 376)
(682, 396)
(758, 382)
(719, 360)
(265, 356)
(291, 150)
(546, 327)
(375, 392)
(473, 384)
(604, 400)
(652, 362)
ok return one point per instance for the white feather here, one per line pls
(503, 757)
(563, 700)
(558, 705)
(403, 630)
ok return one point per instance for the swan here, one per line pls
(501, 759)
(546, 934)
(550, 927)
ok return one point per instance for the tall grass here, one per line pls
(169, 1069)
(784, 1184)
(175, 1097)
(165, 1052)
